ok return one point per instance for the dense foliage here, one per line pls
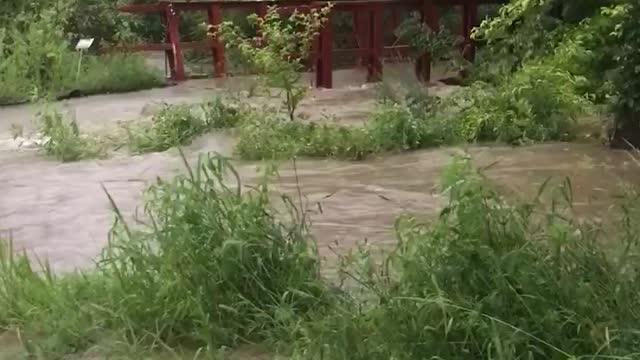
(627, 76)
(37, 57)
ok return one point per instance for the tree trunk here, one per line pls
(626, 131)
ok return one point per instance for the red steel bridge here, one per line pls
(367, 26)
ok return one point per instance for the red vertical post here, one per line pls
(169, 52)
(214, 14)
(324, 65)
(376, 42)
(173, 36)
(261, 9)
(361, 33)
(469, 16)
(355, 23)
(394, 19)
(429, 15)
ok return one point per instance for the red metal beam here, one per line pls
(324, 65)
(469, 16)
(428, 15)
(214, 14)
(142, 47)
(376, 43)
(142, 8)
(173, 37)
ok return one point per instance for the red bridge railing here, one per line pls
(367, 30)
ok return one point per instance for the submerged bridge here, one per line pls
(367, 26)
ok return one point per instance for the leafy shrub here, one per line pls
(489, 279)
(221, 114)
(99, 19)
(396, 127)
(440, 44)
(116, 73)
(626, 104)
(522, 31)
(273, 138)
(62, 138)
(587, 51)
(176, 125)
(279, 52)
(37, 59)
(537, 103)
(173, 125)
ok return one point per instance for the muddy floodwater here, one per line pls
(60, 212)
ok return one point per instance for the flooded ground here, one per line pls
(60, 212)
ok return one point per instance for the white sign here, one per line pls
(84, 44)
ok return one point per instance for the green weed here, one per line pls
(176, 125)
(116, 73)
(16, 130)
(490, 279)
(216, 265)
(37, 60)
(62, 138)
(173, 125)
(409, 125)
(537, 103)
(224, 114)
(279, 53)
(273, 138)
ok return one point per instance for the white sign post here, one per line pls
(81, 46)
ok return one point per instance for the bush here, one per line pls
(222, 114)
(173, 125)
(626, 104)
(215, 266)
(537, 103)
(116, 73)
(176, 125)
(274, 138)
(522, 32)
(416, 122)
(489, 279)
(62, 138)
(279, 52)
(37, 61)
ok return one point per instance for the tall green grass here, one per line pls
(62, 139)
(171, 126)
(176, 125)
(271, 137)
(116, 73)
(37, 60)
(491, 279)
(215, 265)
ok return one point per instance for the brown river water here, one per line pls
(60, 212)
